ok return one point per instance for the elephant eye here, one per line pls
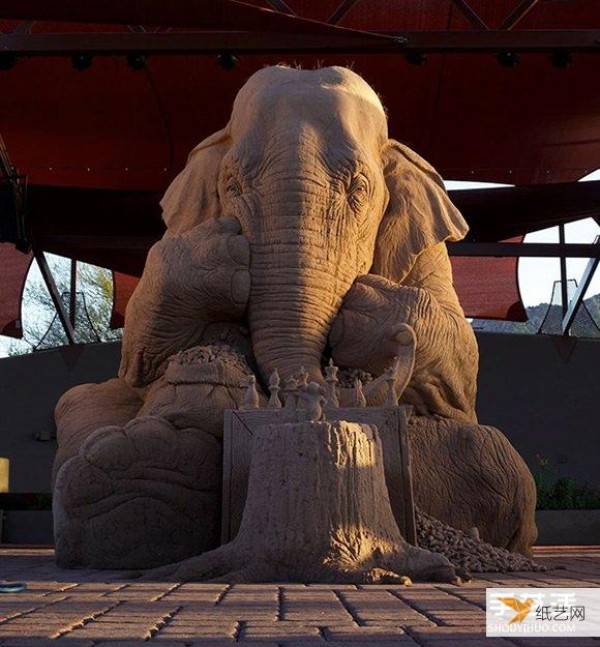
(358, 192)
(233, 188)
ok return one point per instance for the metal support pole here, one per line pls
(73, 294)
(564, 293)
(577, 300)
(54, 295)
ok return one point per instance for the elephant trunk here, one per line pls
(295, 295)
(300, 262)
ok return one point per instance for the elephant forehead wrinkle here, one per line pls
(293, 150)
(307, 182)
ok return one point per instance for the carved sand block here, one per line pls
(267, 252)
(317, 510)
(240, 427)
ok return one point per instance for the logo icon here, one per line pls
(522, 609)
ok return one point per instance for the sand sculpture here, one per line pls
(304, 265)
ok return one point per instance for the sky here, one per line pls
(536, 275)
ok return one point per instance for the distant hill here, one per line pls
(546, 319)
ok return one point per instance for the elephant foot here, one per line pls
(136, 496)
(87, 407)
(470, 476)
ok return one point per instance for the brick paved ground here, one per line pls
(86, 608)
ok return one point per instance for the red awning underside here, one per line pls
(124, 285)
(14, 267)
(472, 118)
(488, 287)
(112, 127)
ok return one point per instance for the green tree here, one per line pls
(94, 298)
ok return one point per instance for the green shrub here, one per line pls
(563, 493)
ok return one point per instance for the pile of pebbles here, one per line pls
(346, 377)
(466, 550)
(212, 353)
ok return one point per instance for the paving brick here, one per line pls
(108, 635)
(387, 622)
(423, 634)
(401, 641)
(366, 633)
(477, 642)
(45, 642)
(337, 587)
(200, 642)
(190, 634)
(135, 643)
(553, 641)
(101, 606)
(24, 632)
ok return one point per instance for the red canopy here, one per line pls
(15, 266)
(112, 127)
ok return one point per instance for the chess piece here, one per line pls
(250, 400)
(311, 399)
(391, 399)
(359, 396)
(289, 393)
(274, 401)
(332, 380)
(302, 378)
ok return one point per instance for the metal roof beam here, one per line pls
(282, 7)
(213, 42)
(180, 43)
(470, 14)
(518, 13)
(493, 41)
(338, 15)
(542, 250)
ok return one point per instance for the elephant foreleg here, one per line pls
(189, 282)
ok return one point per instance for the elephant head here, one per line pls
(323, 197)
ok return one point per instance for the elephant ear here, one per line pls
(192, 196)
(419, 214)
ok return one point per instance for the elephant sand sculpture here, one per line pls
(298, 233)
